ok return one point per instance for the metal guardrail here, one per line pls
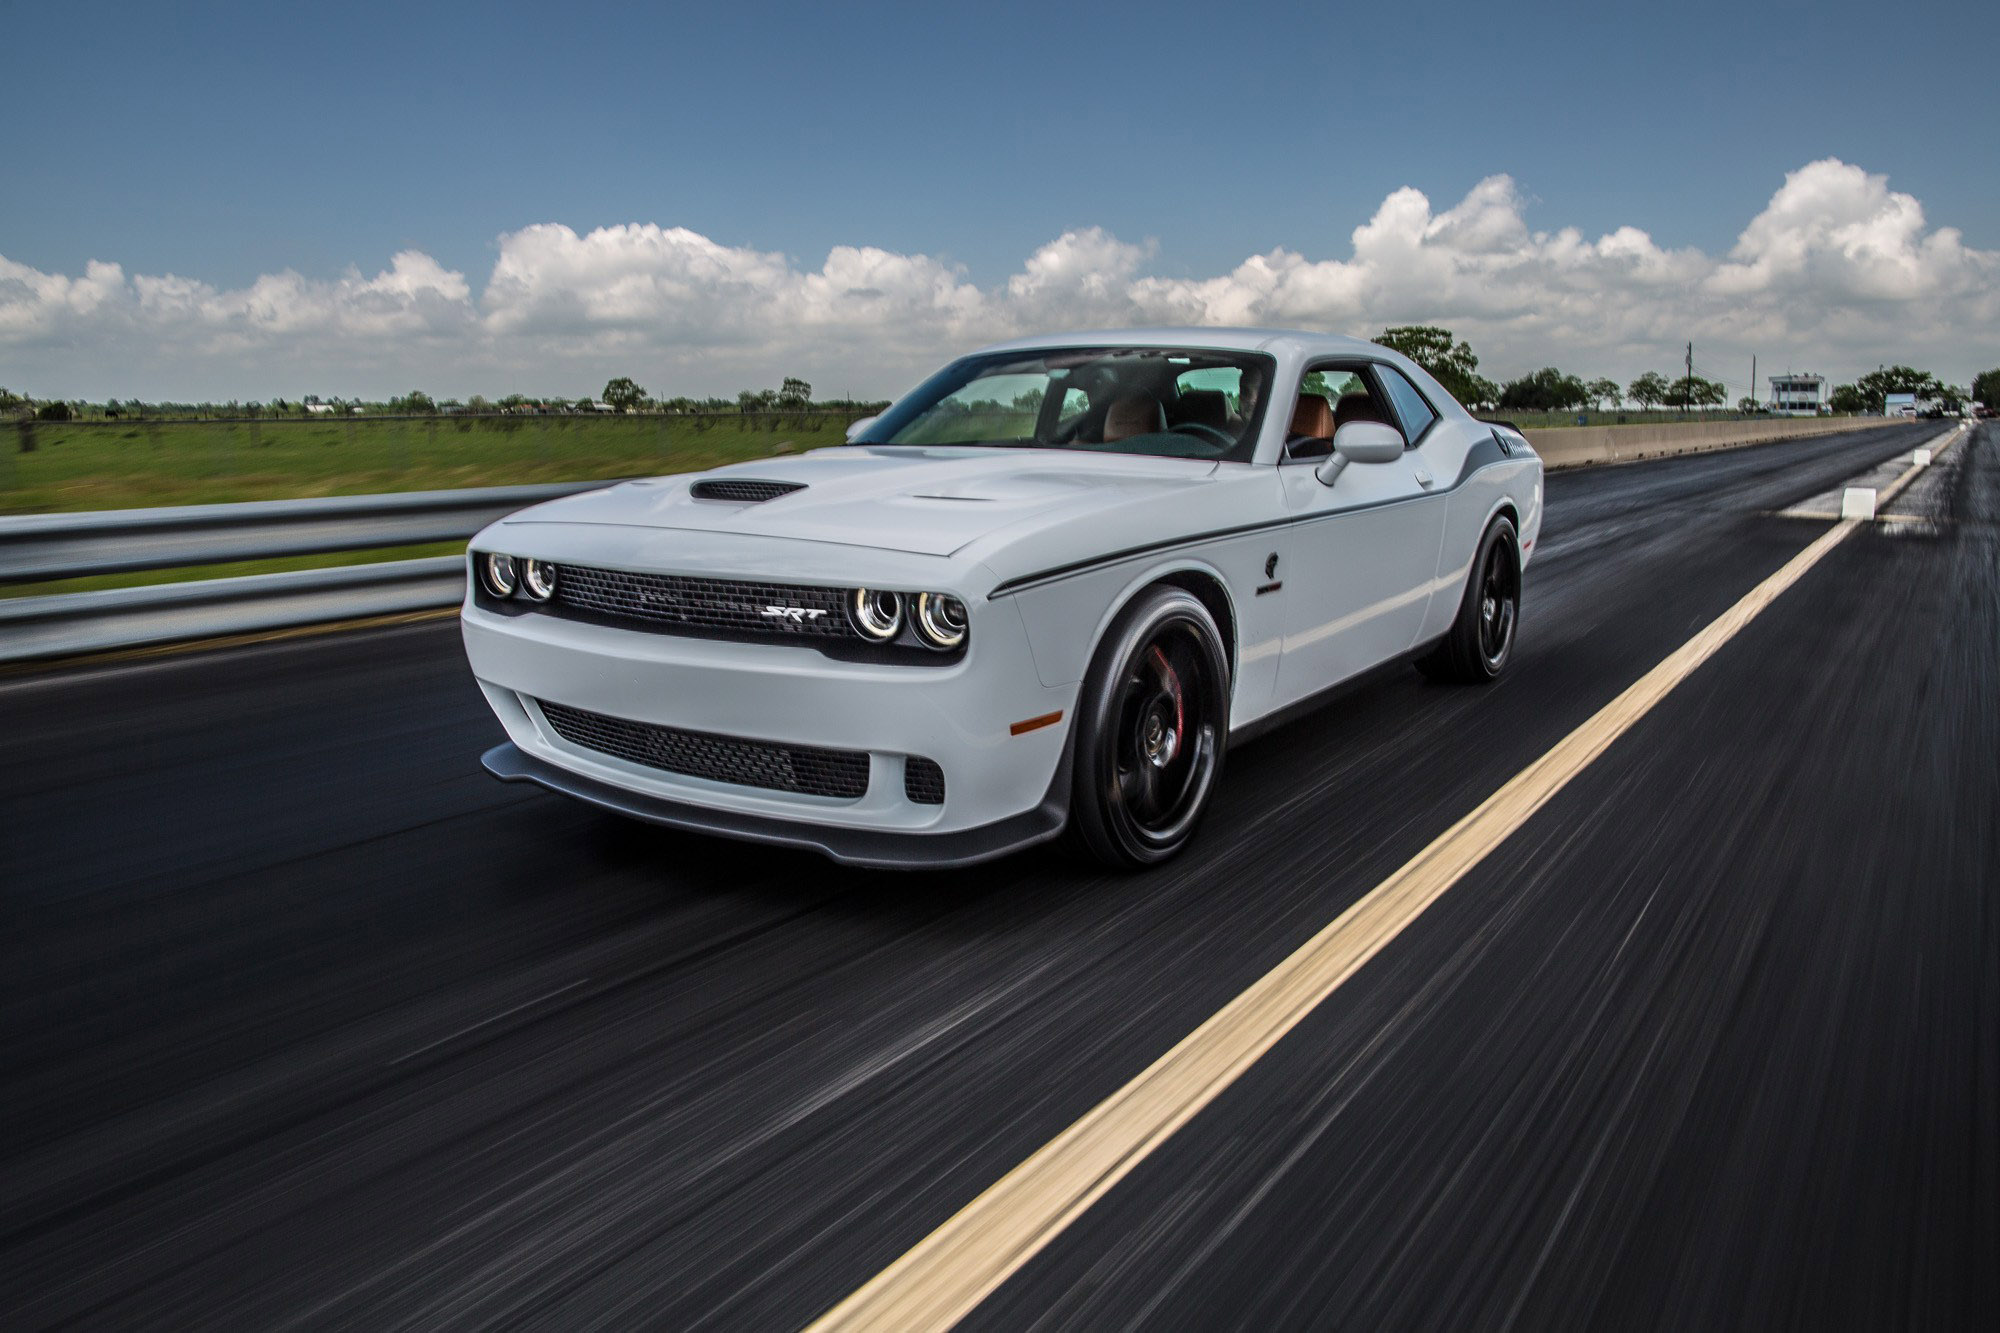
(68, 624)
(36, 547)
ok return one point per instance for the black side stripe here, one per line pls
(1483, 454)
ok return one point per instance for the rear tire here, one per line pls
(1480, 642)
(1152, 721)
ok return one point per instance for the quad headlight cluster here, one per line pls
(502, 576)
(938, 619)
(935, 620)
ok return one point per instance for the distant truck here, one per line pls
(1899, 405)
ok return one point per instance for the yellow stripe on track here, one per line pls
(948, 1273)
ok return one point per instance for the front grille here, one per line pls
(923, 781)
(744, 491)
(728, 605)
(698, 754)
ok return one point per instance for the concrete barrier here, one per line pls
(1575, 446)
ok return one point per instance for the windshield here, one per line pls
(1171, 402)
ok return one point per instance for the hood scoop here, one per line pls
(743, 490)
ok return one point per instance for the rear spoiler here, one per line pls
(1497, 421)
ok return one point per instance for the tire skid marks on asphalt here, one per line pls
(948, 1273)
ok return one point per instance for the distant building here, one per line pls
(1797, 395)
(319, 409)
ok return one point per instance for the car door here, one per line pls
(1362, 552)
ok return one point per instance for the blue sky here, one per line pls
(221, 142)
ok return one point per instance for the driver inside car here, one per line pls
(1249, 392)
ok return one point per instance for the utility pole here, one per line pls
(1753, 378)
(1687, 385)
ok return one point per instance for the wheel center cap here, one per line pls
(1489, 609)
(1159, 741)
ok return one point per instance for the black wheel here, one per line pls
(1481, 639)
(1151, 723)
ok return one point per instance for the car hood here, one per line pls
(923, 501)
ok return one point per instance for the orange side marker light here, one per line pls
(1027, 725)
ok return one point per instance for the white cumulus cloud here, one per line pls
(1837, 272)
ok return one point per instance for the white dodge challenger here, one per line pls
(1045, 590)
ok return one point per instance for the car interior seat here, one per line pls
(1138, 414)
(1311, 431)
(1202, 407)
(1358, 405)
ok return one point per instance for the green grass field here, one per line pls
(130, 464)
(123, 465)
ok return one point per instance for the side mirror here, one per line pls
(1360, 442)
(855, 428)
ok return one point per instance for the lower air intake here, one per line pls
(923, 781)
(698, 754)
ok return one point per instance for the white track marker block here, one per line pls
(1921, 458)
(1857, 502)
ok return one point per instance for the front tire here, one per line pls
(1152, 720)
(1480, 642)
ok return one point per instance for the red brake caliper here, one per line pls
(1173, 683)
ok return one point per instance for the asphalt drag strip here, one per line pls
(1713, 1041)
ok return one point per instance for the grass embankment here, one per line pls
(125, 465)
(132, 464)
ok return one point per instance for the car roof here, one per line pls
(1301, 342)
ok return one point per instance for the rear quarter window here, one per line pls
(1415, 414)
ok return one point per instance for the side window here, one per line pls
(1075, 402)
(1328, 397)
(1416, 414)
(1332, 385)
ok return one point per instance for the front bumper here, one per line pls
(959, 715)
(849, 846)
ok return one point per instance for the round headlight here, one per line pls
(940, 620)
(498, 574)
(877, 615)
(538, 579)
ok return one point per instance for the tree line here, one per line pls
(1871, 392)
(621, 395)
(1449, 359)
(1452, 363)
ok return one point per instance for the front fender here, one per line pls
(1065, 619)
